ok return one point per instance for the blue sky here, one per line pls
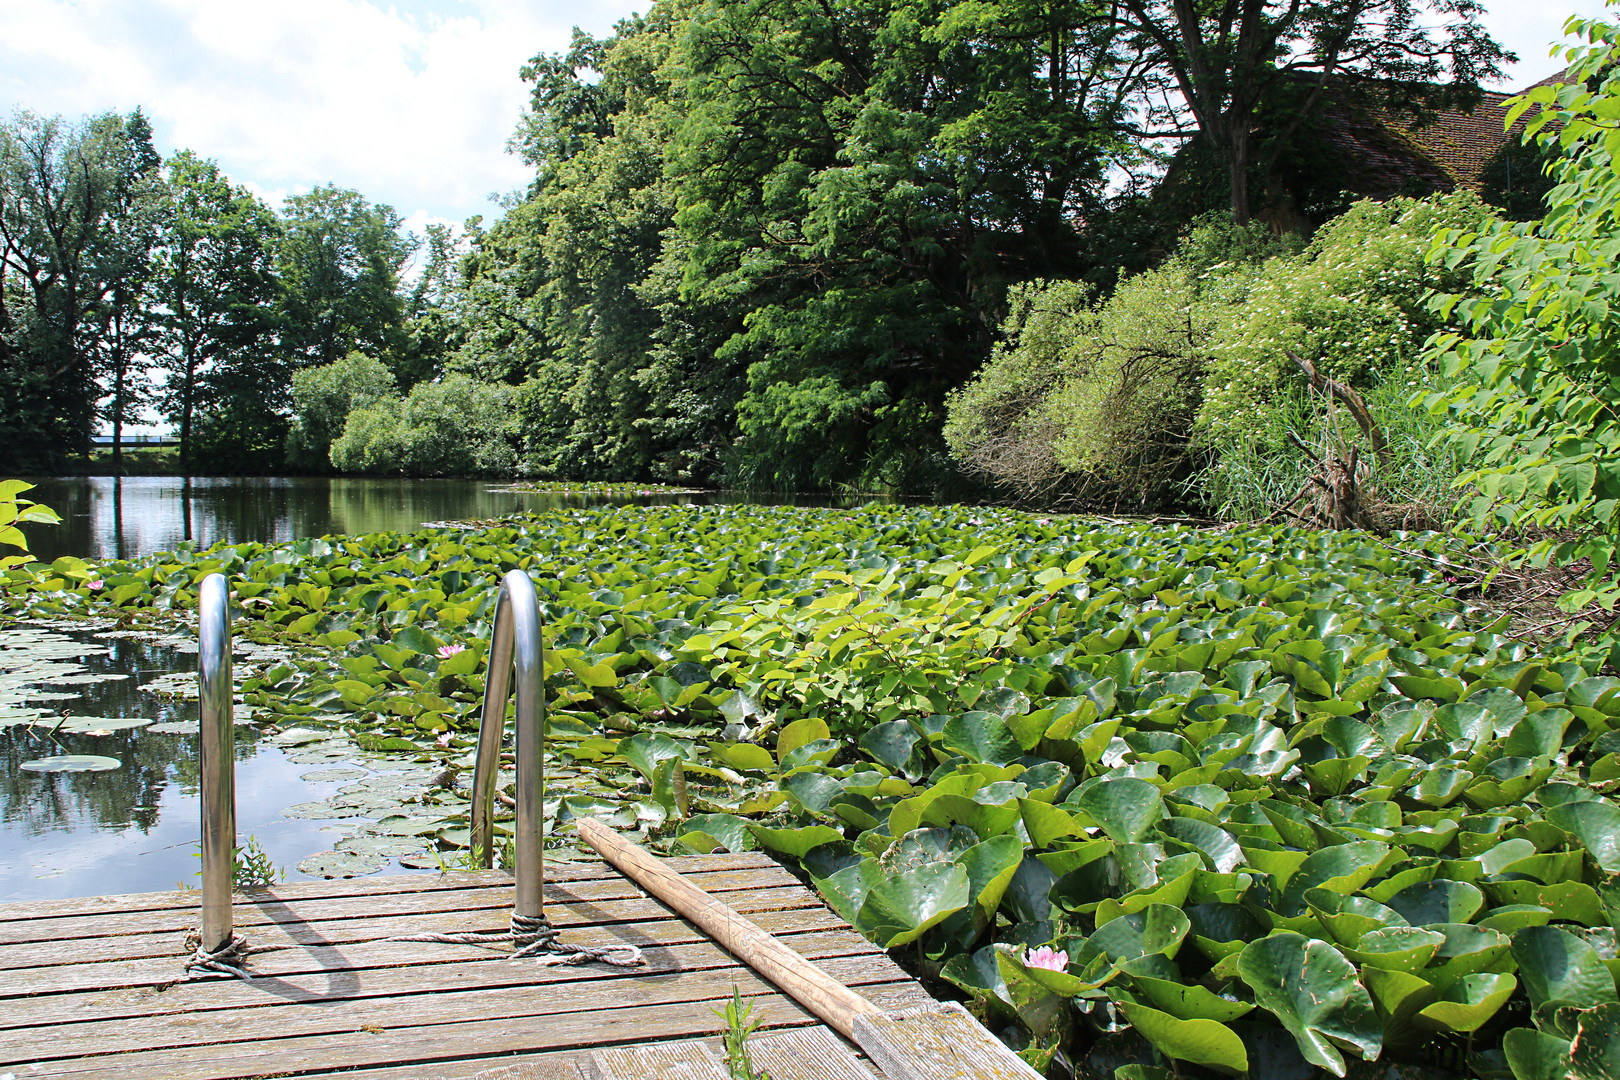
(411, 103)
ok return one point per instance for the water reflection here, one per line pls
(103, 517)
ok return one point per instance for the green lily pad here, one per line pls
(1467, 1004)
(1596, 825)
(1555, 965)
(71, 763)
(1189, 1001)
(1201, 1042)
(905, 905)
(1442, 901)
(1127, 808)
(1397, 948)
(1313, 992)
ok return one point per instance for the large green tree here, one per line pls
(339, 262)
(867, 178)
(214, 287)
(71, 252)
(1229, 63)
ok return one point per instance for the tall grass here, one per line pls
(1253, 472)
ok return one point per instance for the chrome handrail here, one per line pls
(515, 644)
(218, 764)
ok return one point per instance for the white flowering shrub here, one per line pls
(1354, 303)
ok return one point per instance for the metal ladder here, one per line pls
(516, 646)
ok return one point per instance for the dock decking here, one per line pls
(95, 987)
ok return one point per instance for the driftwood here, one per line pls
(1341, 490)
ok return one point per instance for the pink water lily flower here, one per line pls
(94, 585)
(447, 651)
(1044, 957)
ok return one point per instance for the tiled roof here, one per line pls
(1386, 153)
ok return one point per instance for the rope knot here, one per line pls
(229, 959)
(538, 939)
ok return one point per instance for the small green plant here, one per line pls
(251, 868)
(463, 859)
(740, 1023)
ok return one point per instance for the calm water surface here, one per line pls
(105, 518)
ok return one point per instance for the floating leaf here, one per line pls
(1313, 992)
(71, 763)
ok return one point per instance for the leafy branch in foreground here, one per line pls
(1534, 411)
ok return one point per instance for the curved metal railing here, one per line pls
(515, 646)
(218, 765)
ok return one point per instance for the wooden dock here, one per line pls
(95, 987)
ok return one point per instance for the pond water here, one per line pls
(106, 518)
(299, 793)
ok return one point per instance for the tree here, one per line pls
(131, 230)
(1226, 60)
(214, 284)
(340, 261)
(865, 181)
(64, 250)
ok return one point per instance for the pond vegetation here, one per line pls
(1262, 795)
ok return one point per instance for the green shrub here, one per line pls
(454, 427)
(1095, 400)
(1180, 385)
(323, 397)
(1354, 303)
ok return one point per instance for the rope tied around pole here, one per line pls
(229, 959)
(538, 939)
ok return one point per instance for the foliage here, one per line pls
(1231, 63)
(1096, 400)
(454, 426)
(1354, 303)
(213, 283)
(1180, 385)
(339, 262)
(1533, 406)
(1280, 800)
(323, 398)
(75, 203)
(15, 511)
(740, 1024)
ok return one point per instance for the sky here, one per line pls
(409, 103)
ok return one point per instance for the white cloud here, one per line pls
(1530, 28)
(409, 103)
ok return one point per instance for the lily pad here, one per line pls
(341, 864)
(71, 763)
(1313, 991)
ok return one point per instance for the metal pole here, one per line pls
(515, 643)
(218, 760)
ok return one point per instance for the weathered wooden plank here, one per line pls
(262, 908)
(474, 969)
(424, 882)
(558, 1062)
(658, 1061)
(316, 959)
(812, 1053)
(551, 1001)
(539, 1070)
(423, 1045)
(297, 932)
(941, 1041)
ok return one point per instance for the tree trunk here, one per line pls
(187, 389)
(1238, 147)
